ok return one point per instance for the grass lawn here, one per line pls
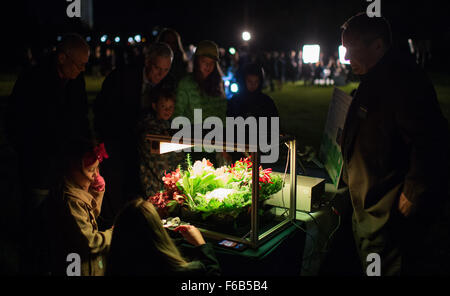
(303, 109)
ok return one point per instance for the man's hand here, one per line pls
(405, 206)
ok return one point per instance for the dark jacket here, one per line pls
(251, 104)
(138, 263)
(117, 106)
(395, 140)
(44, 112)
(204, 264)
(117, 110)
(247, 104)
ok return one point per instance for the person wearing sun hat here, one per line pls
(203, 88)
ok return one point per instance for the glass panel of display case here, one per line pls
(218, 192)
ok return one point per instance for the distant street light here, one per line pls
(232, 50)
(117, 39)
(246, 36)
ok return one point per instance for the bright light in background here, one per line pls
(232, 50)
(411, 46)
(227, 83)
(137, 38)
(311, 53)
(234, 88)
(246, 36)
(103, 38)
(342, 52)
(88, 38)
(155, 32)
(130, 39)
(58, 38)
(117, 39)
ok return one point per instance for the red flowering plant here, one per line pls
(171, 196)
(242, 171)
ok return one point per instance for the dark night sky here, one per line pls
(275, 24)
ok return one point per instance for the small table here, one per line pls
(279, 256)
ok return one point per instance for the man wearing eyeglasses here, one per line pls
(47, 106)
(123, 99)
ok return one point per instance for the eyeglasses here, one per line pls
(80, 67)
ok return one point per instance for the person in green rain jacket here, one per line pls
(203, 89)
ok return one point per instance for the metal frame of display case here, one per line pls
(255, 240)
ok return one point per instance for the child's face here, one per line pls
(164, 108)
(252, 82)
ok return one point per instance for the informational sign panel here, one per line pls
(330, 151)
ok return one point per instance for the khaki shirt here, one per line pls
(81, 208)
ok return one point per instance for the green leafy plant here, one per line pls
(206, 190)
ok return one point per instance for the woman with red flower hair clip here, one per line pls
(82, 194)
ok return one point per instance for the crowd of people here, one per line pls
(85, 190)
(280, 66)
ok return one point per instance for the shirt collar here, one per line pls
(378, 70)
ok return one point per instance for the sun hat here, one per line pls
(208, 49)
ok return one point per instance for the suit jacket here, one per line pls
(45, 111)
(395, 140)
(117, 106)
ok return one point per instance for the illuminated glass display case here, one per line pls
(256, 222)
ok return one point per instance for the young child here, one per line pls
(156, 122)
(251, 102)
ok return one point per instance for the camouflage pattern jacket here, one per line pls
(153, 166)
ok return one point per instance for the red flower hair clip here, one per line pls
(98, 153)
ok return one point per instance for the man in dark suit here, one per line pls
(123, 99)
(47, 108)
(395, 149)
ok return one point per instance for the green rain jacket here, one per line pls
(190, 97)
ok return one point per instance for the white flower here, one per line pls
(219, 193)
(201, 167)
